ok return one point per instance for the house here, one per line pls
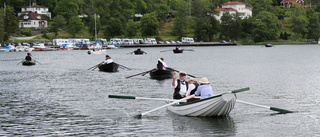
(288, 3)
(233, 7)
(32, 20)
(43, 10)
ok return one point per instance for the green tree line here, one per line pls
(116, 18)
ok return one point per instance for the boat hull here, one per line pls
(28, 63)
(177, 51)
(111, 67)
(219, 105)
(161, 74)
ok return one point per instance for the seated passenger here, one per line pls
(161, 64)
(108, 60)
(205, 90)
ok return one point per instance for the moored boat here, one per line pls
(161, 74)
(28, 63)
(111, 67)
(219, 105)
(268, 45)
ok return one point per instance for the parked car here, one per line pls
(173, 42)
(166, 42)
(178, 42)
(223, 41)
(159, 42)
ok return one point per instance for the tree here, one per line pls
(226, 25)
(259, 33)
(1, 25)
(10, 22)
(67, 8)
(314, 24)
(272, 23)
(180, 22)
(149, 25)
(298, 19)
(58, 24)
(93, 26)
(131, 29)
(75, 26)
(113, 28)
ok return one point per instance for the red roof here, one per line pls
(223, 9)
(234, 3)
(288, 1)
(33, 16)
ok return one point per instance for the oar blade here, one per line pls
(280, 110)
(139, 116)
(240, 90)
(122, 97)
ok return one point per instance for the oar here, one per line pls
(38, 62)
(165, 99)
(95, 65)
(130, 52)
(179, 71)
(174, 102)
(20, 62)
(188, 50)
(280, 110)
(166, 50)
(123, 66)
(140, 73)
(139, 98)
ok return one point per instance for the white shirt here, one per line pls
(107, 61)
(191, 87)
(164, 64)
(183, 88)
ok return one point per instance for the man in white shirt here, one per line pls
(108, 60)
(180, 85)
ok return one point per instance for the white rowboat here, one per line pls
(219, 105)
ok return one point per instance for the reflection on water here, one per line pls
(203, 126)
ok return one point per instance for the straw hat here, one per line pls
(193, 79)
(183, 73)
(204, 80)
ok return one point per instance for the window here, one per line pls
(26, 17)
(39, 17)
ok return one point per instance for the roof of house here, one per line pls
(224, 9)
(285, 1)
(34, 6)
(32, 16)
(233, 3)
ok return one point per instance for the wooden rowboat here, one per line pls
(138, 52)
(219, 105)
(28, 63)
(161, 74)
(177, 51)
(111, 67)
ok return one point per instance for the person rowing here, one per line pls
(161, 64)
(108, 60)
(28, 57)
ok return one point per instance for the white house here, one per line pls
(43, 10)
(232, 7)
(33, 20)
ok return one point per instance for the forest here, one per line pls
(193, 18)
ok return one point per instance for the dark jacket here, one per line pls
(176, 94)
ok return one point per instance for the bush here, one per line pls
(27, 32)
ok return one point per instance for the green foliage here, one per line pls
(94, 26)
(10, 22)
(113, 28)
(26, 31)
(298, 19)
(57, 24)
(1, 25)
(131, 29)
(180, 22)
(67, 8)
(149, 25)
(75, 26)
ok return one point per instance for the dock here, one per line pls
(177, 45)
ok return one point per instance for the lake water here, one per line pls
(60, 97)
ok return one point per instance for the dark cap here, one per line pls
(107, 55)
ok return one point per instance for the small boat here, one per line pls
(219, 105)
(177, 50)
(28, 63)
(111, 67)
(98, 51)
(161, 74)
(268, 45)
(112, 46)
(8, 48)
(39, 47)
(138, 52)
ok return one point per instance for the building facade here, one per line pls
(233, 7)
(33, 20)
(288, 3)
